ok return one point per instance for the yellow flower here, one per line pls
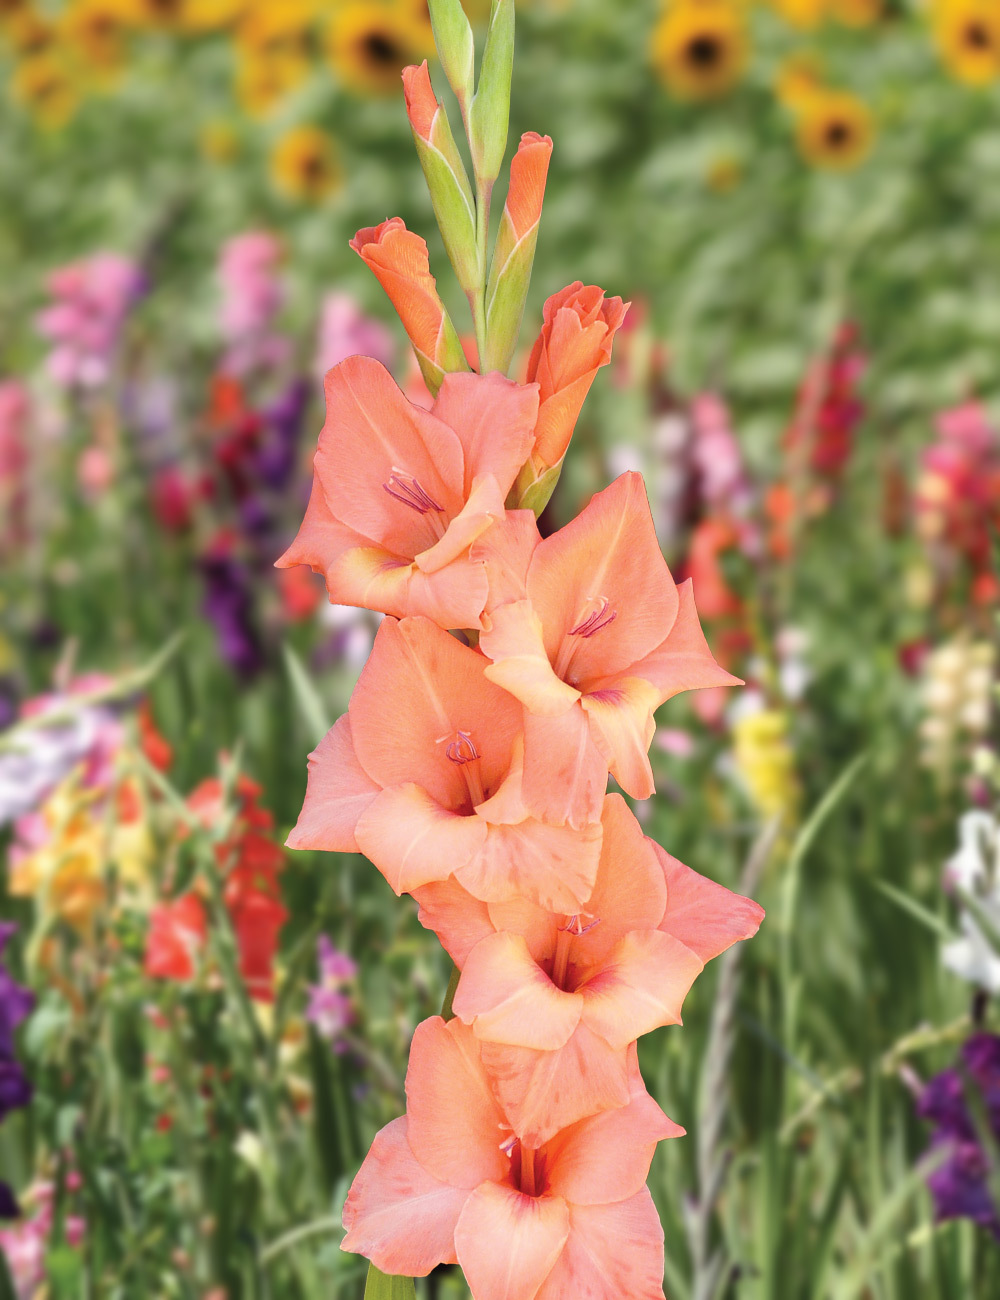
(724, 173)
(800, 78)
(43, 84)
(968, 37)
(94, 30)
(766, 763)
(29, 34)
(262, 80)
(279, 30)
(213, 15)
(700, 47)
(171, 14)
(856, 13)
(806, 14)
(219, 141)
(835, 130)
(370, 43)
(304, 164)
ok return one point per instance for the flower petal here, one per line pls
(705, 916)
(455, 1124)
(565, 775)
(458, 919)
(338, 791)
(609, 552)
(483, 508)
(683, 661)
(509, 999)
(512, 638)
(543, 1092)
(413, 840)
(507, 1242)
(398, 1215)
(506, 550)
(621, 723)
(641, 987)
(374, 578)
(553, 866)
(494, 419)
(606, 1157)
(612, 1251)
(321, 538)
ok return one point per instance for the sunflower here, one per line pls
(835, 130)
(262, 80)
(856, 13)
(44, 85)
(169, 14)
(371, 42)
(29, 34)
(304, 164)
(94, 30)
(700, 47)
(805, 14)
(277, 30)
(799, 77)
(968, 37)
(213, 15)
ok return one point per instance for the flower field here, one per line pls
(499, 649)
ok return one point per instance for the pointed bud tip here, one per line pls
(421, 103)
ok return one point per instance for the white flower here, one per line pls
(974, 871)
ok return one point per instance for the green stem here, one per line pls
(484, 194)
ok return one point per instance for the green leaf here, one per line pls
(311, 707)
(489, 117)
(917, 910)
(451, 197)
(7, 1291)
(382, 1287)
(456, 45)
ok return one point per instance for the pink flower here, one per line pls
(252, 296)
(91, 301)
(449, 1183)
(345, 331)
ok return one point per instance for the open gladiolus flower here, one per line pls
(400, 494)
(423, 775)
(557, 999)
(450, 1183)
(588, 630)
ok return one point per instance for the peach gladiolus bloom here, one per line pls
(441, 1185)
(556, 999)
(423, 776)
(399, 260)
(588, 630)
(576, 339)
(400, 493)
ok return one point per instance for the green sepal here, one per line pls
(380, 1286)
(456, 46)
(451, 195)
(531, 493)
(505, 298)
(489, 117)
(454, 359)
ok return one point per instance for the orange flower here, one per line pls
(399, 260)
(556, 999)
(423, 776)
(400, 493)
(589, 631)
(571, 1218)
(576, 339)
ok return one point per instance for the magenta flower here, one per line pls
(345, 331)
(91, 300)
(331, 1002)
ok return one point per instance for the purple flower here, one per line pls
(277, 453)
(960, 1186)
(331, 1004)
(228, 604)
(15, 1090)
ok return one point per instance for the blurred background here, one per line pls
(801, 198)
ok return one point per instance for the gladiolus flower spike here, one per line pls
(511, 675)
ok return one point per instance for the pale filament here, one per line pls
(461, 750)
(587, 625)
(405, 488)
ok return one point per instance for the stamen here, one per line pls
(507, 1146)
(405, 488)
(600, 618)
(462, 750)
(574, 925)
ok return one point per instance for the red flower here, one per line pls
(176, 936)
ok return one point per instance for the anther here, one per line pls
(405, 488)
(599, 619)
(507, 1146)
(575, 925)
(462, 750)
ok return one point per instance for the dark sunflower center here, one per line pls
(705, 51)
(978, 37)
(381, 49)
(313, 167)
(838, 135)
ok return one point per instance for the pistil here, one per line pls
(528, 1172)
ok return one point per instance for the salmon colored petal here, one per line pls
(641, 987)
(398, 1215)
(704, 916)
(506, 550)
(554, 866)
(630, 890)
(390, 470)
(513, 638)
(543, 1092)
(458, 919)
(455, 1124)
(321, 538)
(509, 999)
(338, 791)
(373, 578)
(418, 691)
(683, 662)
(506, 806)
(494, 419)
(483, 508)
(507, 1242)
(413, 840)
(601, 587)
(612, 1252)
(621, 723)
(565, 774)
(607, 1157)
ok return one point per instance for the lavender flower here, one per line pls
(228, 604)
(331, 1004)
(15, 1090)
(960, 1186)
